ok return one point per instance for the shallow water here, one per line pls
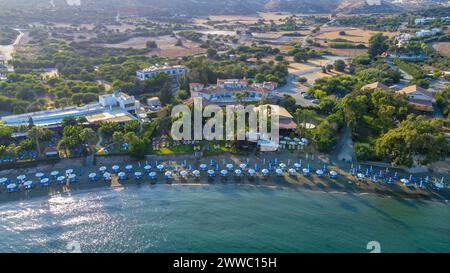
(222, 218)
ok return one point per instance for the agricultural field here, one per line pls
(443, 48)
(354, 35)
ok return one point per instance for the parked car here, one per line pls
(315, 101)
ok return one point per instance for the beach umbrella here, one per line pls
(160, 167)
(45, 182)
(21, 178)
(224, 173)
(305, 171)
(116, 168)
(405, 181)
(333, 174)
(12, 187)
(230, 167)
(39, 175)
(107, 176)
(129, 168)
(360, 176)
(147, 168)
(238, 172)
(211, 173)
(183, 173)
(319, 173)
(92, 176)
(69, 171)
(61, 179)
(265, 172)
(122, 176)
(439, 185)
(102, 169)
(282, 166)
(203, 167)
(73, 178)
(292, 172)
(297, 166)
(251, 172)
(278, 172)
(28, 185)
(196, 173)
(137, 175)
(54, 174)
(243, 166)
(152, 175)
(3, 181)
(168, 175)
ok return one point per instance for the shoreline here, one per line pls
(301, 183)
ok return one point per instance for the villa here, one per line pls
(375, 85)
(426, 33)
(227, 91)
(173, 71)
(119, 99)
(419, 98)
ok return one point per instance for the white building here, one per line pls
(227, 90)
(119, 99)
(424, 21)
(403, 39)
(174, 71)
(426, 32)
(419, 98)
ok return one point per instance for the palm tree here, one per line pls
(36, 133)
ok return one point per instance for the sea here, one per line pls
(222, 217)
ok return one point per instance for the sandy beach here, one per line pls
(344, 182)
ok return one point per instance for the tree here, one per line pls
(165, 94)
(377, 45)
(303, 116)
(88, 136)
(36, 133)
(132, 126)
(182, 94)
(211, 53)
(69, 121)
(355, 107)
(108, 128)
(325, 137)
(151, 44)
(279, 57)
(301, 57)
(288, 102)
(179, 43)
(417, 139)
(137, 147)
(339, 65)
(302, 80)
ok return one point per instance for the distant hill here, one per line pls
(208, 7)
(301, 5)
(367, 6)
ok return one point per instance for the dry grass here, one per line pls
(166, 46)
(443, 48)
(355, 35)
(297, 67)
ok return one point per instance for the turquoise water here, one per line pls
(222, 218)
